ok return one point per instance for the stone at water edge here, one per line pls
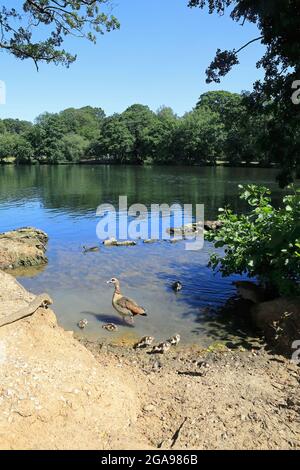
(23, 247)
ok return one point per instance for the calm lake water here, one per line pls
(62, 201)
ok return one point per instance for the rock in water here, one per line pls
(23, 247)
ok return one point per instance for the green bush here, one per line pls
(264, 243)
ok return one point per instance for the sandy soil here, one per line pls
(57, 394)
(195, 399)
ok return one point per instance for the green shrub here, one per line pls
(263, 243)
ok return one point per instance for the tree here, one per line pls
(244, 131)
(15, 126)
(48, 137)
(22, 151)
(115, 141)
(139, 119)
(162, 140)
(74, 147)
(199, 138)
(85, 121)
(264, 243)
(7, 142)
(53, 20)
(279, 28)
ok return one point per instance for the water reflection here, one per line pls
(63, 201)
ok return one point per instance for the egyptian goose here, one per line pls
(125, 307)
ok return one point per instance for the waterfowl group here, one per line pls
(160, 348)
(124, 306)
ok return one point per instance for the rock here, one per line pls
(149, 408)
(114, 242)
(266, 313)
(93, 249)
(210, 225)
(126, 243)
(22, 247)
(110, 242)
(279, 320)
(250, 291)
(195, 227)
(150, 240)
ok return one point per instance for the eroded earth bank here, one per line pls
(57, 394)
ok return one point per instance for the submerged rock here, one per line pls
(250, 291)
(23, 247)
(110, 242)
(195, 227)
(279, 320)
(126, 243)
(114, 242)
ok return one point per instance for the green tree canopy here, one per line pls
(36, 29)
(115, 141)
(278, 23)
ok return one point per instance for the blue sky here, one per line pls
(158, 57)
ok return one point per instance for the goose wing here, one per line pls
(131, 305)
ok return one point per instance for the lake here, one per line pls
(63, 200)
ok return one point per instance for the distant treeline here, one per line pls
(221, 127)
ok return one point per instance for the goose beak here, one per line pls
(108, 282)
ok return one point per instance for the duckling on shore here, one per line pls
(110, 327)
(82, 323)
(161, 348)
(144, 342)
(177, 286)
(174, 340)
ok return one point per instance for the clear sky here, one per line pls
(158, 57)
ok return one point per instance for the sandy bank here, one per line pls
(53, 392)
(57, 394)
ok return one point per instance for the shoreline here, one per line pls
(218, 163)
(79, 395)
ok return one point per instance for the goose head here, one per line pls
(115, 282)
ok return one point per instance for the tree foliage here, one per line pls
(278, 23)
(37, 29)
(219, 128)
(263, 243)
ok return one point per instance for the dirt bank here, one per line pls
(56, 394)
(195, 399)
(23, 247)
(53, 392)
